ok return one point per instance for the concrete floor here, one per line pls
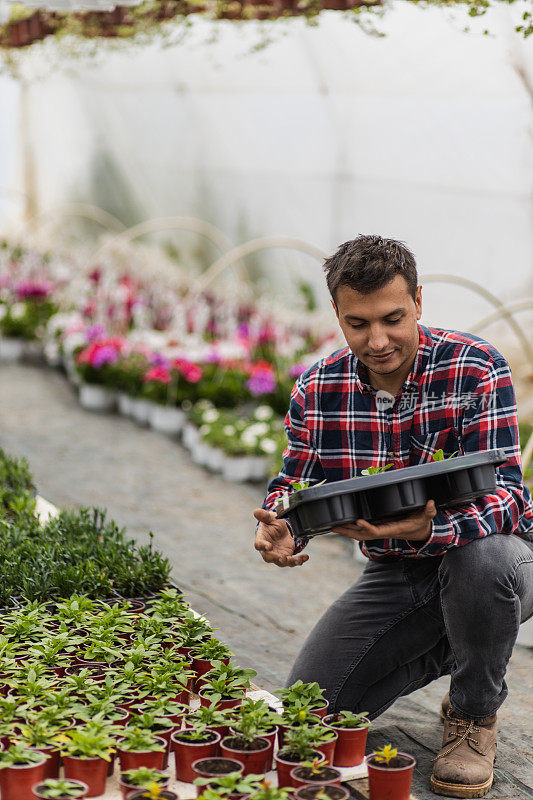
(206, 527)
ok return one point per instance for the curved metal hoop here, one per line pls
(85, 211)
(503, 311)
(254, 246)
(511, 308)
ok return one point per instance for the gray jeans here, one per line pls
(405, 623)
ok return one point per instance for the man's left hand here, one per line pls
(414, 528)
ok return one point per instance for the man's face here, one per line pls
(381, 328)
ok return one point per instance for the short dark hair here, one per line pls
(368, 263)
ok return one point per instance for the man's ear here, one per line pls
(334, 304)
(418, 302)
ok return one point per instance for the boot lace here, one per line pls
(463, 728)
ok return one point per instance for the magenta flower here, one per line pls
(107, 354)
(33, 290)
(262, 379)
(296, 370)
(95, 332)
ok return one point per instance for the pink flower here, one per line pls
(191, 372)
(158, 375)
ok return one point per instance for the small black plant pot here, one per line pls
(394, 493)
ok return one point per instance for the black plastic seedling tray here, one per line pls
(394, 493)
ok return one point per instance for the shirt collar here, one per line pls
(423, 354)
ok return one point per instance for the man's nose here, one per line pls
(378, 341)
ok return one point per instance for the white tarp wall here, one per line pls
(425, 135)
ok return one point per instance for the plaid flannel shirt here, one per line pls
(458, 397)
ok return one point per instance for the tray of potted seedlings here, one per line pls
(386, 494)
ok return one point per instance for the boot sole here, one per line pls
(458, 790)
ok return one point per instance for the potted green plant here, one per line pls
(60, 789)
(213, 717)
(86, 754)
(212, 769)
(158, 726)
(265, 720)
(304, 695)
(135, 779)
(225, 685)
(191, 744)
(296, 749)
(140, 748)
(323, 739)
(167, 708)
(296, 717)
(153, 792)
(352, 730)
(309, 772)
(205, 654)
(321, 792)
(40, 735)
(246, 745)
(233, 785)
(390, 773)
(21, 767)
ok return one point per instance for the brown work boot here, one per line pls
(464, 766)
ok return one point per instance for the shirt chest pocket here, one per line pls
(424, 445)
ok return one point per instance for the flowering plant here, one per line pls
(25, 318)
(170, 382)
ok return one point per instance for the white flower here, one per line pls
(72, 341)
(268, 445)
(249, 439)
(17, 310)
(204, 430)
(228, 430)
(258, 429)
(211, 415)
(263, 413)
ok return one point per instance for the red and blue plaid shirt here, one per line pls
(458, 397)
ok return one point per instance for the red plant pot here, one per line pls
(308, 792)
(133, 759)
(351, 744)
(222, 704)
(284, 768)
(92, 771)
(16, 782)
(127, 788)
(298, 781)
(37, 790)
(188, 752)
(328, 749)
(111, 766)
(322, 711)
(165, 735)
(270, 736)
(203, 768)
(390, 783)
(51, 765)
(255, 762)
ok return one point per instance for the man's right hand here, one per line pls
(274, 541)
